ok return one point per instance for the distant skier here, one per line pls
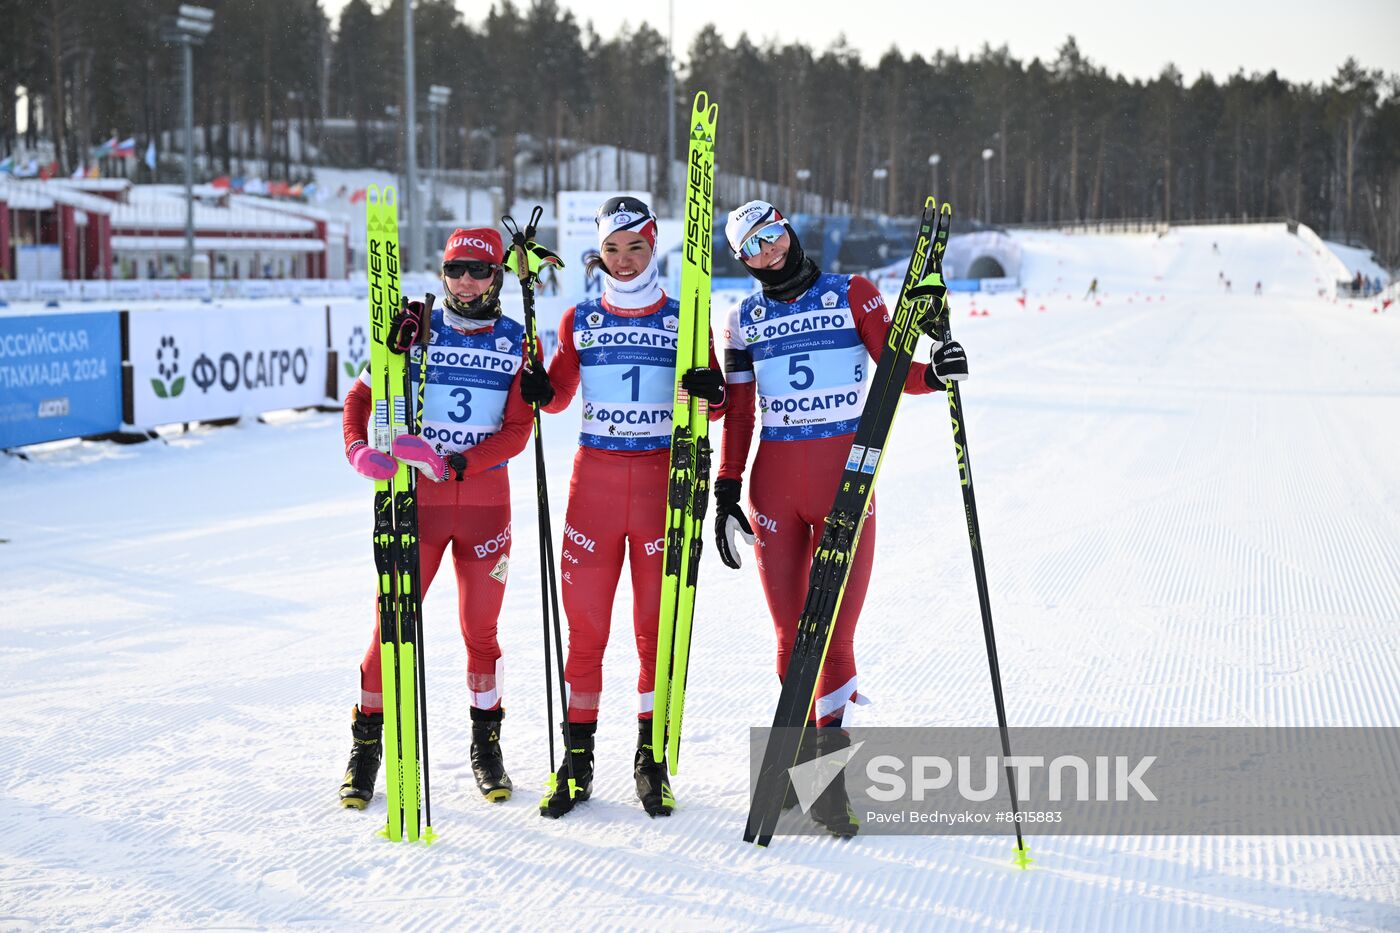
(474, 420)
(1259, 287)
(804, 347)
(1093, 291)
(622, 348)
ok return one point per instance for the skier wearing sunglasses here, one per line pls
(474, 420)
(622, 350)
(802, 349)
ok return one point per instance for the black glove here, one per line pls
(534, 385)
(948, 363)
(729, 518)
(405, 326)
(704, 382)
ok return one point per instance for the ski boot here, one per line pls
(653, 789)
(357, 789)
(579, 756)
(487, 767)
(832, 808)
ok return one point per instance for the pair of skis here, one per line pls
(688, 484)
(397, 412)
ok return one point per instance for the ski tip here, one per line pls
(1022, 858)
(702, 101)
(372, 195)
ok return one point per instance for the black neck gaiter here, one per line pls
(792, 278)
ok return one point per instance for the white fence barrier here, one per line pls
(45, 290)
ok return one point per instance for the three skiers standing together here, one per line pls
(801, 385)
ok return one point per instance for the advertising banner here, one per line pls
(999, 285)
(206, 363)
(95, 289)
(127, 289)
(192, 288)
(60, 376)
(348, 324)
(51, 290)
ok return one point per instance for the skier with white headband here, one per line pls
(622, 349)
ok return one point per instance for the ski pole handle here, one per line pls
(423, 332)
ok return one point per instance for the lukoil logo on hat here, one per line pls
(481, 244)
(744, 218)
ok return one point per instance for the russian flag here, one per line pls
(125, 148)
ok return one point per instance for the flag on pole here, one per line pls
(127, 147)
(151, 155)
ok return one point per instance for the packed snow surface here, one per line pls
(1190, 504)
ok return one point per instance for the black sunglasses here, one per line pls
(472, 267)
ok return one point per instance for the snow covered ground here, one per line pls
(1190, 503)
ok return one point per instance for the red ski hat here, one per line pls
(482, 244)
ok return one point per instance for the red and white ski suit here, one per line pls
(472, 515)
(797, 470)
(625, 359)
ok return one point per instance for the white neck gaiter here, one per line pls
(641, 292)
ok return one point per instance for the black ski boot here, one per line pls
(653, 788)
(358, 787)
(579, 756)
(832, 808)
(487, 767)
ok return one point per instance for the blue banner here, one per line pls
(60, 376)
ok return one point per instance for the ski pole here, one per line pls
(942, 332)
(549, 585)
(424, 331)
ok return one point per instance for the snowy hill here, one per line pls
(1190, 517)
(1183, 260)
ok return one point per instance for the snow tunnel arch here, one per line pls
(986, 267)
